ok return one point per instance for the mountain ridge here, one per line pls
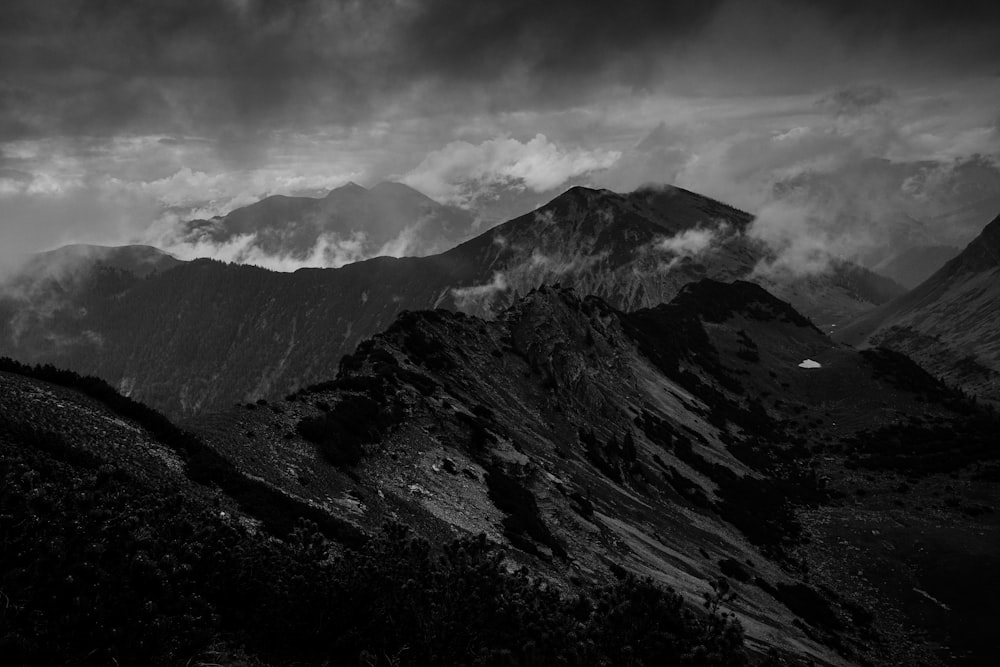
(363, 221)
(682, 442)
(695, 408)
(948, 323)
(205, 335)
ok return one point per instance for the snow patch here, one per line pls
(809, 363)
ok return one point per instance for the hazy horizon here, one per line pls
(849, 127)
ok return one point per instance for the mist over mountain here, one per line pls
(205, 335)
(915, 265)
(500, 333)
(348, 224)
(950, 323)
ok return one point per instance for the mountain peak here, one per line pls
(401, 192)
(684, 209)
(581, 197)
(138, 259)
(350, 187)
(393, 186)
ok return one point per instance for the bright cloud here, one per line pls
(467, 297)
(538, 164)
(690, 242)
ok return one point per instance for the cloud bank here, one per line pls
(114, 114)
(461, 171)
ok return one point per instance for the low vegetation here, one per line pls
(99, 569)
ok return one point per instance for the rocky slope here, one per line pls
(124, 540)
(843, 510)
(205, 335)
(685, 443)
(950, 323)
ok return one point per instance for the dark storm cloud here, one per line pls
(564, 44)
(162, 65)
(223, 66)
(563, 38)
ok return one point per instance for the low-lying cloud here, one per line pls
(689, 242)
(801, 242)
(330, 251)
(461, 171)
(479, 295)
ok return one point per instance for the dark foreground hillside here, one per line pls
(564, 484)
(111, 552)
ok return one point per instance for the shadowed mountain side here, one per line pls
(682, 442)
(128, 541)
(915, 265)
(950, 323)
(69, 261)
(206, 335)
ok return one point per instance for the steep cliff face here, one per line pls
(950, 323)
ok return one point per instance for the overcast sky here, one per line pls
(114, 114)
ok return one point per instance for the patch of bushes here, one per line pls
(614, 459)
(523, 516)
(479, 436)
(657, 430)
(277, 512)
(340, 433)
(97, 568)
(760, 510)
(806, 603)
(688, 489)
(919, 448)
(734, 569)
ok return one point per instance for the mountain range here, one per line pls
(204, 335)
(389, 218)
(828, 506)
(601, 432)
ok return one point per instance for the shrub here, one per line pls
(340, 433)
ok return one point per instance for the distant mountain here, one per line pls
(206, 335)
(68, 261)
(915, 265)
(686, 443)
(390, 218)
(836, 296)
(950, 323)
